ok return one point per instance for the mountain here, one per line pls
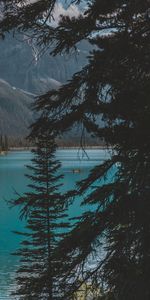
(15, 106)
(24, 65)
(16, 116)
(15, 111)
(26, 72)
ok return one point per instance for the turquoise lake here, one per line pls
(12, 178)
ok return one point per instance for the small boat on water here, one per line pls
(76, 170)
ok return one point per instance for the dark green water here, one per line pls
(12, 170)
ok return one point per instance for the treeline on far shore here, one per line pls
(3, 143)
(9, 142)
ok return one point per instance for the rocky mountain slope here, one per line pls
(25, 72)
(23, 69)
(16, 116)
(15, 111)
(23, 65)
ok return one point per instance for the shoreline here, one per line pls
(61, 148)
(3, 153)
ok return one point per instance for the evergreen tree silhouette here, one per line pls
(44, 207)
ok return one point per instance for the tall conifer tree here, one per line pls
(45, 209)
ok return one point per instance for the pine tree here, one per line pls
(6, 143)
(45, 209)
(115, 87)
(1, 143)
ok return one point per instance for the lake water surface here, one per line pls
(12, 170)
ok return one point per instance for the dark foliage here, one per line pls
(38, 276)
(114, 86)
(3, 143)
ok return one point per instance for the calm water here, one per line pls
(12, 170)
